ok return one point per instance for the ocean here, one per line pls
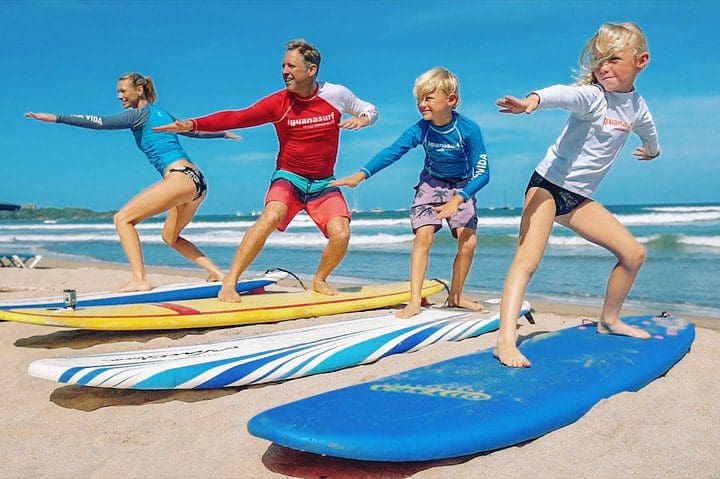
(681, 273)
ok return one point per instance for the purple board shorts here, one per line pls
(431, 191)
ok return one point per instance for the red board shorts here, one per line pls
(321, 206)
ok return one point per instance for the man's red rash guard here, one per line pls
(307, 128)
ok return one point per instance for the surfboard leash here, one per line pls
(288, 272)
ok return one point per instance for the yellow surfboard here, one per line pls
(201, 313)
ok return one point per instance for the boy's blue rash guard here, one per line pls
(160, 148)
(452, 152)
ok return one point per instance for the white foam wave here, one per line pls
(706, 241)
(216, 238)
(669, 218)
(579, 241)
(682, 209)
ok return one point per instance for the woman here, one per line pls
(181, 190)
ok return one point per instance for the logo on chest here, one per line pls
(617, 124)
(313, 121)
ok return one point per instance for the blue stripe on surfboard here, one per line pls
(199, 292)
(249, 365)
(230, 376)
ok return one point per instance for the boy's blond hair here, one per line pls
(439, 79)
(609, 40)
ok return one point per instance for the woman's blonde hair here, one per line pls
(440, 79)
(137, 80)
(608, 41)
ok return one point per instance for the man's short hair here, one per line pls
(310, 54)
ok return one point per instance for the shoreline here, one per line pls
(540, 303)
(54, 430)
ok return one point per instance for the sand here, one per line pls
(670, 428)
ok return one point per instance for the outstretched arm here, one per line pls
(46, 117)
(527, 105)
(127, 119)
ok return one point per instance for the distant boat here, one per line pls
(377, 210)
(505, 205)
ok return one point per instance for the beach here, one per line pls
(667, 429)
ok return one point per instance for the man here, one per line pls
(307, 118)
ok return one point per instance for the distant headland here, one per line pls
(32, 212)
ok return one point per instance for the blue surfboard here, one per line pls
(472, 404)
(170, 292)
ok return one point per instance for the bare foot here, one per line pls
(622, 329)
(227, 294)
(457, 301)
(409, 311)
(323, 288)
(215, 277)
(135, 285)
(510, 355)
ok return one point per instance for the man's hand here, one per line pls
(354, 123)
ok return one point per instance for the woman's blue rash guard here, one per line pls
(161, 149)
(453, 152)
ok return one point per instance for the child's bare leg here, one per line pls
(418, 267)
(338, 231)
(467, 240)
(535, 228)
(595, 223)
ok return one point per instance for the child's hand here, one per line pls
(48, 117)
(641, 154)
(449, 208)
(350, 181)
(178, 126)
(510, 104)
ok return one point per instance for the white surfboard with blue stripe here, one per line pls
(170, 292)
(267, 358)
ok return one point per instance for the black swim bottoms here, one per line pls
(565, 201)
(197, 178)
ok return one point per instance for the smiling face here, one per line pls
(618, 72)
(436, 107)
(298, 78)
(129, 95)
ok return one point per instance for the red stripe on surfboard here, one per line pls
(178, 308)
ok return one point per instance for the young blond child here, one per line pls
(605, 108)
(455, 169)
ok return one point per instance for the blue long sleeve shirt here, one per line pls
(161, 149)
(454, 152)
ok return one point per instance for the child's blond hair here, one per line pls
(439, 79)
(609, 40)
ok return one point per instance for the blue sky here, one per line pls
(65, 57)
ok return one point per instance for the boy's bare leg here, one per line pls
(418, 267)
(467, 241)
